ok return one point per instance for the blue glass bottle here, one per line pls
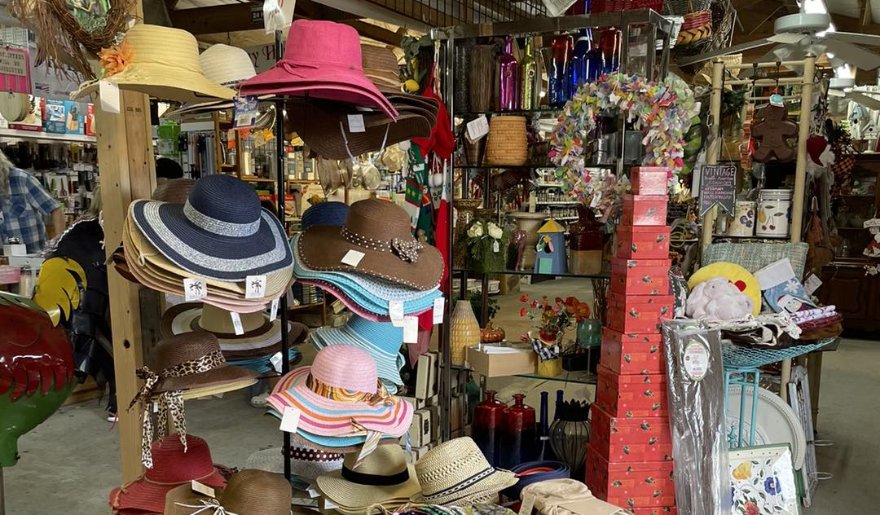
(580, 64)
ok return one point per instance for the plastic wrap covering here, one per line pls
(697, 418)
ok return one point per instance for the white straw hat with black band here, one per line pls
(221, 232)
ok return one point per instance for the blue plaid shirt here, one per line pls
(22, 213)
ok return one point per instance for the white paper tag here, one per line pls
(790, 303)
(255, 286)
(155, 407)
(439, 310)
(246, 112)
(356, 123)
(812, 283)
(109, 94)
(290, 420)
(236, 323)
(395, 312)
(273, 311)
(696, 361)
(528, 503)
(276, 361)
(194, 289)
(352, 258)
(410, 330)
(477, 128)
(496, 247)
(199, 488)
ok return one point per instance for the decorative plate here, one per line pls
(776, 422)
(762, 481)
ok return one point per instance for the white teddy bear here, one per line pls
(717, 299)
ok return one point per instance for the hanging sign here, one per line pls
(15, 72)
(717, 187)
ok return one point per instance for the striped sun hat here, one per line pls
(341, 395)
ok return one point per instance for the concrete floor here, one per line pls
(69, 464)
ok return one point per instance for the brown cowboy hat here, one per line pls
(381, 231)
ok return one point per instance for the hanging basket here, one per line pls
(697, 27)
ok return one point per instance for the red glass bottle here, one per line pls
(609, 45)
(488, 418)
(518, 435)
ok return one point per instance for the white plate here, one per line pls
(776, 421)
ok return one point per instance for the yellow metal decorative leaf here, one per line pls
(58, 287)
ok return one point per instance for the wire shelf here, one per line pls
(738, 356)
(446, 13)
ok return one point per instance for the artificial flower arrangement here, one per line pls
(486, 246)
(662, 110)
(551, 319)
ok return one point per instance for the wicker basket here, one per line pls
(508, 143)
(697, 27)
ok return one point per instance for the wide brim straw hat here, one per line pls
(305, 462)
(381, 339)
(221, 233)
(338, 444)
(380, 65)
(323, 60)
(183, 348)
(381, 231)
(324, 127)
(384, 476)
(456, 472)
(248, 492)
(260, 336)
(341, 395)
(172, 466)
(161, 62)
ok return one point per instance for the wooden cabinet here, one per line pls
(856, 294)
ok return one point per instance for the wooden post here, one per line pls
(715, 144)
(128, 172)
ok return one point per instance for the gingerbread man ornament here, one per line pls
(773, 129)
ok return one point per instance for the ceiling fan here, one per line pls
(845, 88)
(810, 31)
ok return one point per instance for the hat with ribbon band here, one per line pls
(193, 363)
(383, 478)
(248, 492)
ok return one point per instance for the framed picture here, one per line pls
(799, 400)
(762, 481)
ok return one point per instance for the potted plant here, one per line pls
(550, 320)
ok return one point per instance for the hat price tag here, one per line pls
(246, 112)
(410, 330)
(276, 361)
(199, 488)
(353, 258)
(439, 310)
(110, 98)
(290, 420)
(273, 311)
(236, 323)
(528, 504)
(194, 289)
(477, 128)
(395, 312)
(255, 286)
(356, 123)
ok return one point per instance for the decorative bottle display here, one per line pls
(518, 434)
(560, 90)
(508, 78)
(579, 70)
(609, 45)
(465, 331)
(488, 418)
(528, 72)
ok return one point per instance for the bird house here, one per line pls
(551, 256)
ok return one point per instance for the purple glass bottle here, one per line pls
(508, 78)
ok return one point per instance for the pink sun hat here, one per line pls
(341, 395)
(321, 59)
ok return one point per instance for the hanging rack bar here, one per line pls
(793, 81)
(786, 97)
(768, 64)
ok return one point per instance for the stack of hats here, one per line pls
(248, 492)
(188, 366)
(224, 65)
(220, 247)
(253, 349)
(173, 465)
(339, 403)
(384, 480)
(306, 463)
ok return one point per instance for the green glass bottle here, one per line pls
(528, 70)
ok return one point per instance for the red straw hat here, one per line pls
(321, 59)
(172, 467)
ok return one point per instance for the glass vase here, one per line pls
(518, 437)
(488, 422)
(589, 332)
(570, 434)
(465, 331)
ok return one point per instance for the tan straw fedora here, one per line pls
(380, 65)
(161, 62)
(456, 472)
(383, 478)
(248, 492)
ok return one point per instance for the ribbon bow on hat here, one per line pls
(407, 250)
(207, 507)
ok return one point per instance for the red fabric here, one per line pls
(441, 141)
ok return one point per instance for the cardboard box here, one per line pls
(631, 396)
(640, 276)
(637, 313)
(630, 485)
(649, 180)
(420, 429)
(632, 354)
(642, 242)
(490, 361)
(644, 210)
(628, 440)
(55, 120)
(426, 376)
(419, 452)
(416, 403)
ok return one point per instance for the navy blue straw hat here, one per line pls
(325, 213)
(221, 232)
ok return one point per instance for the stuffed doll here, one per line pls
(718, 299)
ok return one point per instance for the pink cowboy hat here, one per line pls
(321, 59)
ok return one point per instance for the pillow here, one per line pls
(739, 276)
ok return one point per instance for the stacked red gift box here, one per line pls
(629, 459)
